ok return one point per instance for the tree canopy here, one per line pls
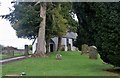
(25, 19)
(99, 25)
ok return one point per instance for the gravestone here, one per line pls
(93, 54)
(26, 50)
(16, 74)
(84, 49)
(58, 57)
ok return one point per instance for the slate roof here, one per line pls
(71, 35)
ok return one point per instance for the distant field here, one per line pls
(5, 56)
(72, 64)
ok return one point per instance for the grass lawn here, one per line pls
(72, 64)
(5, 56)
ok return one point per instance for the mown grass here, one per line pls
(7, 56)
(72, 64)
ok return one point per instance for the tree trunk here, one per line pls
(59, 43)
(40, 50)
(47, 45)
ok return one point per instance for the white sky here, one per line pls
(7, 33)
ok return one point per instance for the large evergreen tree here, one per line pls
(85, 15)
(99, 23)
(108, 35)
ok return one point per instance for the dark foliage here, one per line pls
(99, 24)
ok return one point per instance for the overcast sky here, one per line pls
(7, 33)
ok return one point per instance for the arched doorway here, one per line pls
(52, 46)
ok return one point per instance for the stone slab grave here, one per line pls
(93, 54)
(17, 74)
(84, 49)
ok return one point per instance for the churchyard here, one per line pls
(95, 24)
(71, 64)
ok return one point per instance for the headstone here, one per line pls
(26, 50)
(12, 75)
(58, 57)
(93, 54)
(84, 49)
